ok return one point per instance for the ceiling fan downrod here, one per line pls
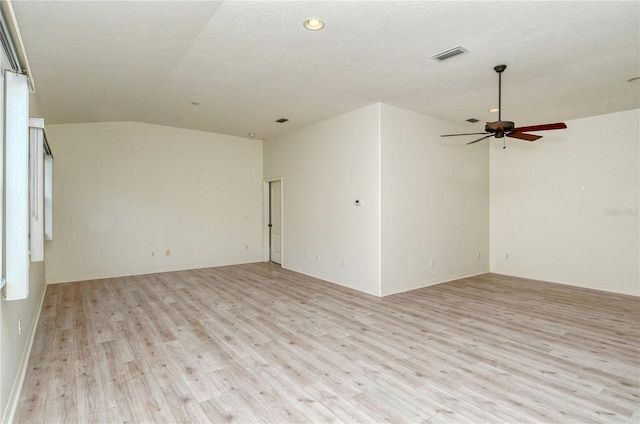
(500, 69)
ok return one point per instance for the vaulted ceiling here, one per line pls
(248, 63)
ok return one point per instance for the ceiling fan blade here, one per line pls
(454, 135)
(523, 136)
(543, 127)
(480, 139)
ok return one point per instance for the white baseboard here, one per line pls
(399, 289)
(16, 389)
(439, 280)
(133, 272)
(328, 280)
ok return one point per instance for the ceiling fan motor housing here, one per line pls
(499, 127)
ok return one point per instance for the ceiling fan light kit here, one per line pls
(500, 128)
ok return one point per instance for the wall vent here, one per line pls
(448, 54)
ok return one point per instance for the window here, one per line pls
(16, 186)
(36, 189)
(48, 195)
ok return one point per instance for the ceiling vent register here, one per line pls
(448, 54)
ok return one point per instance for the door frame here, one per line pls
(266, 209)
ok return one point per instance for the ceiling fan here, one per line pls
(500, 128)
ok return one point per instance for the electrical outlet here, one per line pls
(19, 327)
(479, 256)
(430, 262)
(167, 252)
(344, 263)
(318, 258)
(506, 256)
(153, 253)
(246, 247)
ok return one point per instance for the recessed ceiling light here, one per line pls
(281, 120)
(313, 24)
(472, 120)
(494, 110)
(195, 103)
(251, 134)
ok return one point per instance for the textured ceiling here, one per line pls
(249, 63)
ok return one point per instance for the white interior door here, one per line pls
(275, 221)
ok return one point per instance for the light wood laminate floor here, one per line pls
(256, 343)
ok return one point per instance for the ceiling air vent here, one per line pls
(447, 54)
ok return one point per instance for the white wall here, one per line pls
(565, 208)
(325, 168)
(435, 202)
(125, 189)
(423, 197)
